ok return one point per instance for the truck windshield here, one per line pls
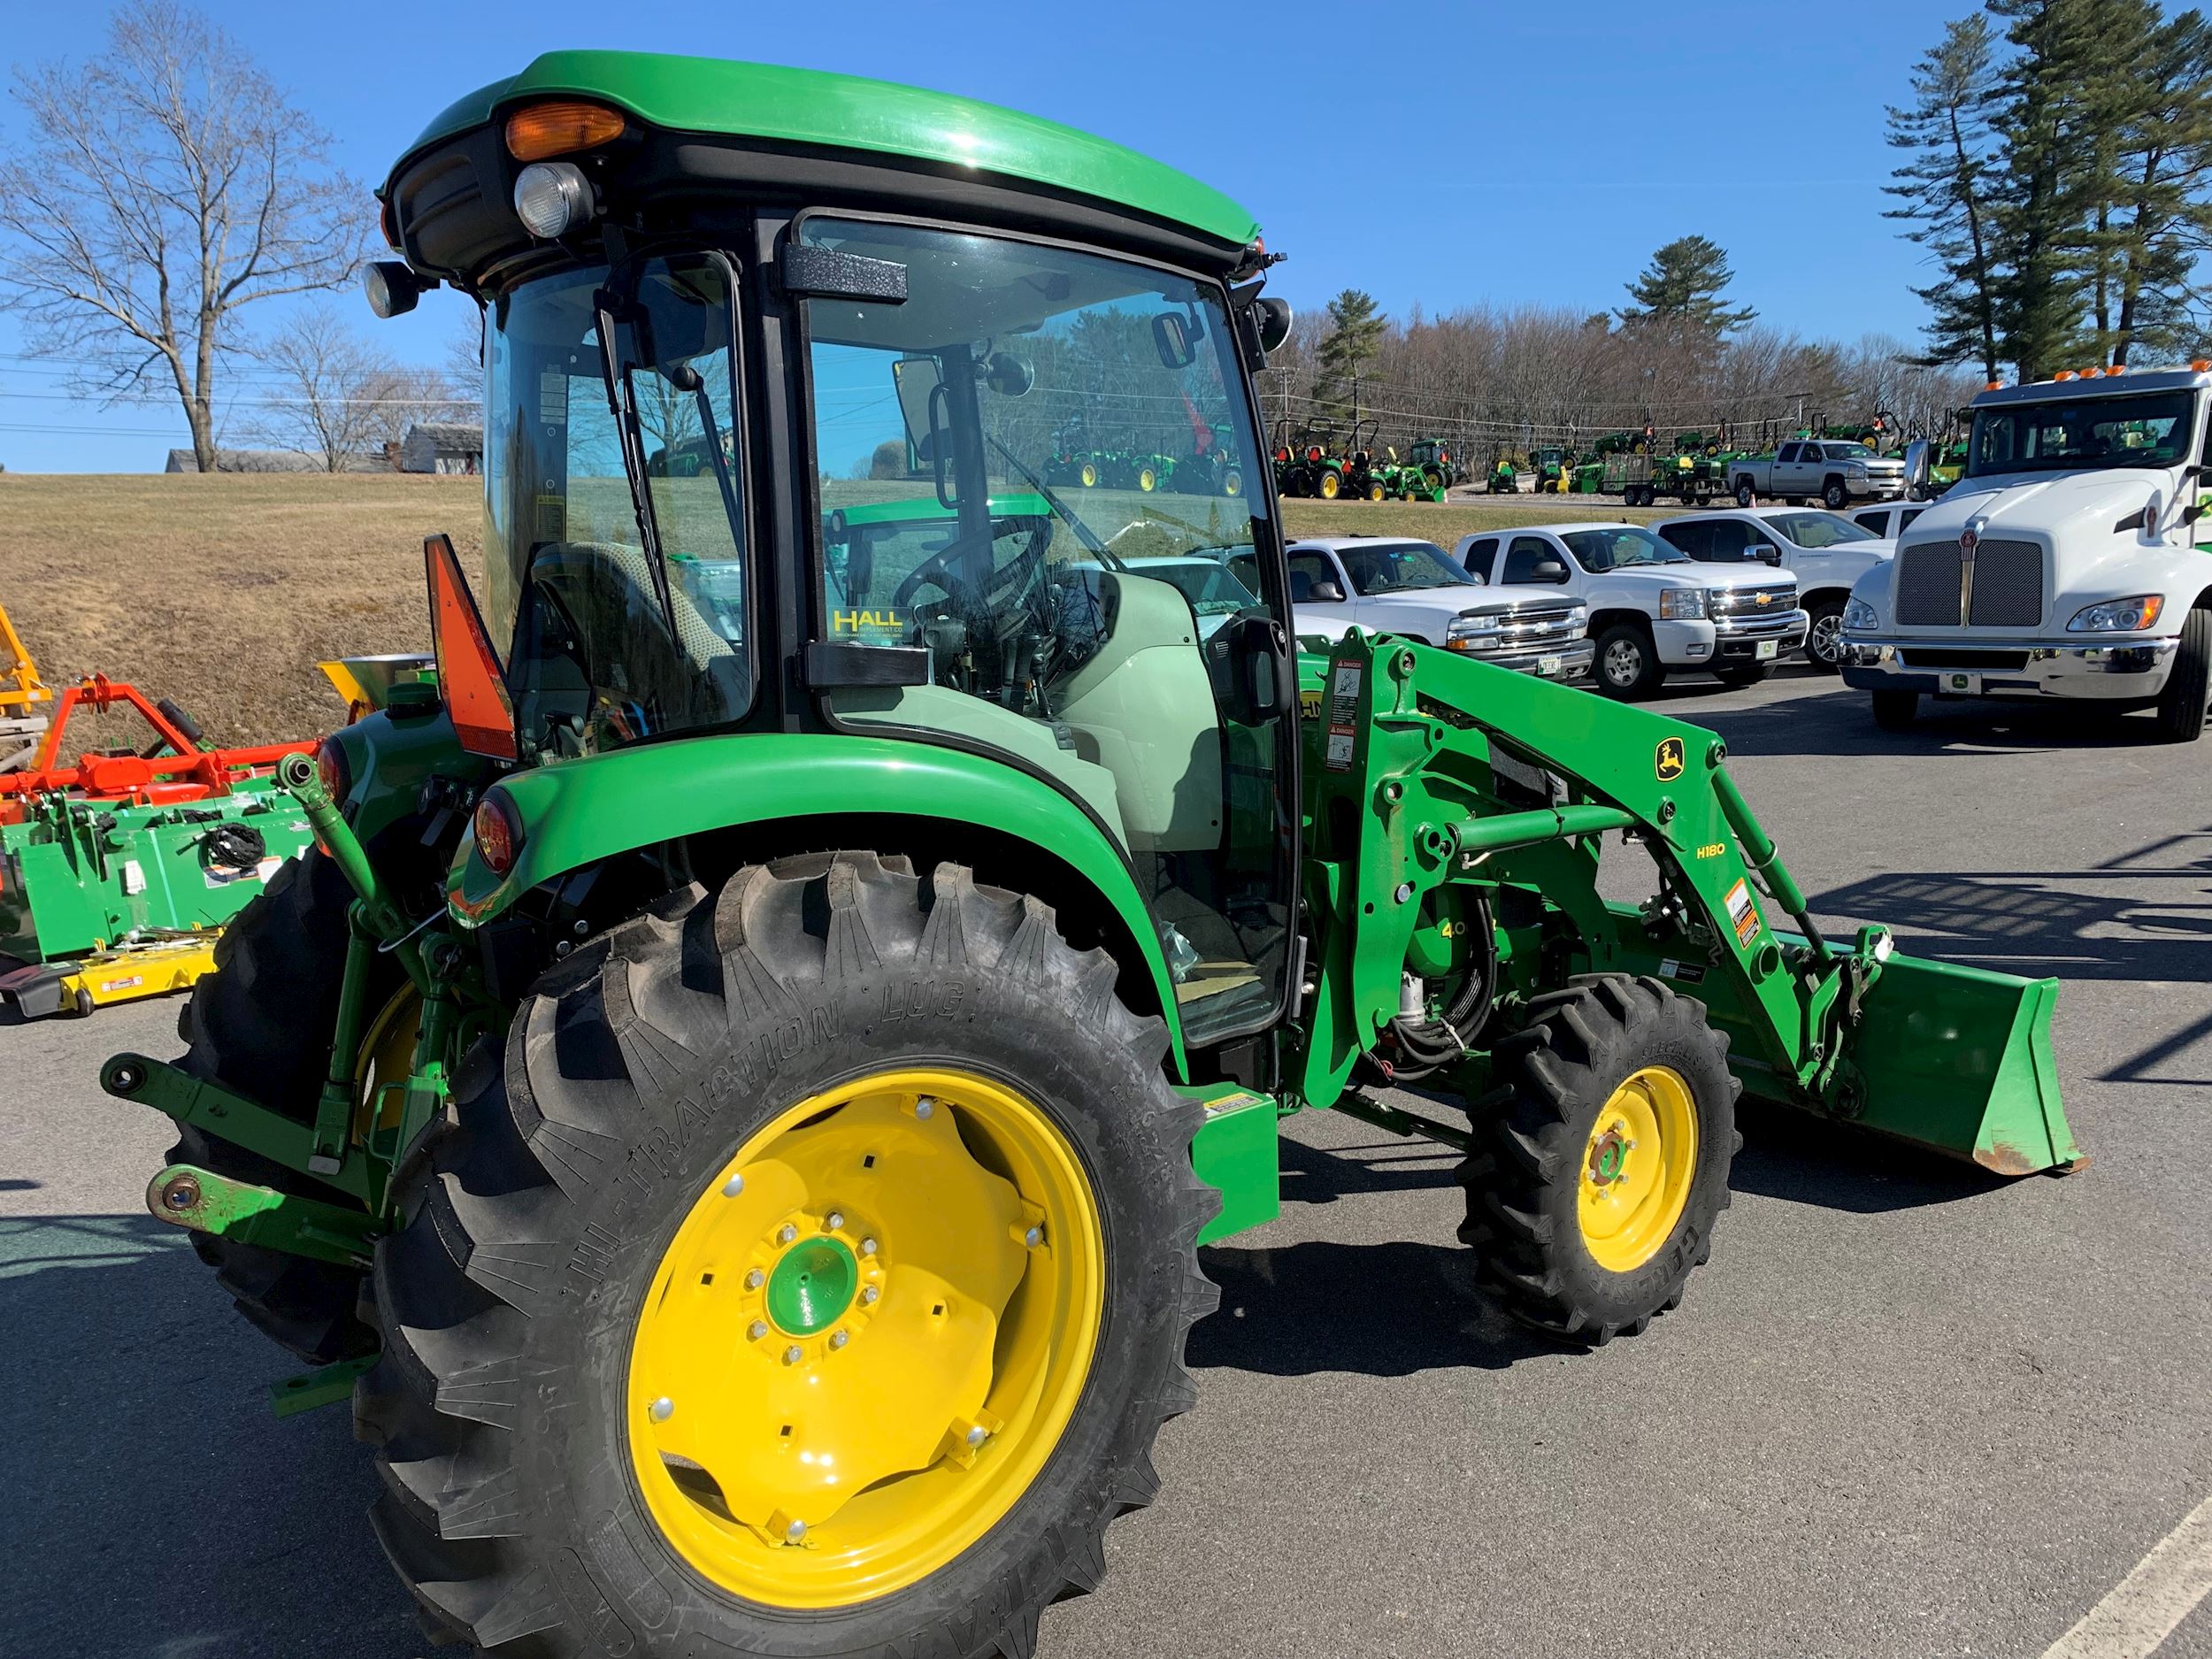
(2080, 433)
(1848, 452)
(613, 532)
(1620, 546)
(1398, 567)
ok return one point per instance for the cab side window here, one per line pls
(1875, 518)
(1725, 540)
(1691, 538)
(1522, 558)
(1480, 555)
(1306, 569)
(1905, 518)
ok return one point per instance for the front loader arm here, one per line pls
(1434, 777)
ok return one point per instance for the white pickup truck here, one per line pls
(1652, 609)
(1830, 470)
(1390, 584)
(2068, 563)
(1826, 552)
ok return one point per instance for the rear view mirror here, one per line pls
(1548, 571)
(1172, 338)
(1008, 375)
(1326, 592)
(1274, 316)
(916, 378)
(1771, 554)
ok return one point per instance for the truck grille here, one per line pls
(1928, 585)
(1536, 626)
(1744, 602)
(2007, 586)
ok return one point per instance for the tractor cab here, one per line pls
(756, 464)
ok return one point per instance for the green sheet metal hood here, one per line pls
(813, 108)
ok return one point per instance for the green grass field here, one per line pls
(224, 592)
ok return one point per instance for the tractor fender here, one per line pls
(581, 811)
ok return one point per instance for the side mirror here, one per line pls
(1008, 375)
(1326, 592)
(1250, 660)
(1170, 338)
(1274, 317)
(1548, 571)
(1771, 554)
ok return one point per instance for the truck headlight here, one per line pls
(1859, 617)
(1681, 604)
(1478, 631)
(2119, 616)
(1857, 469)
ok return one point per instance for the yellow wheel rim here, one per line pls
(1233, 484)
(1329, 486)
(1147, 478)
(865, 1339)
(385, 1057)
(1089, 474)
(1374, 492)
(1637, 1168)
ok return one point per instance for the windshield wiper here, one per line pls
(1082, 531)
(622, 405)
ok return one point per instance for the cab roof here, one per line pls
(811, 109)
(2189, 379)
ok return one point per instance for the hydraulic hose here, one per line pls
(1434, 1044)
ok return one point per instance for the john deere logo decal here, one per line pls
(1668, 762)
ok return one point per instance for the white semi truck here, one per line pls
(2070, 561)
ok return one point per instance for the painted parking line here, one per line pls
(2145, 1607)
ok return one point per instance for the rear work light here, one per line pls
(561, 128)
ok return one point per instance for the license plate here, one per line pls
(1963, 685)
(1766, 649)
(1547, 667)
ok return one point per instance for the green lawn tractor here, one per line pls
(1369, 475)
(1551, 465)
(1505, 478)
(738, 1094)
(1311, 464)
(1431, 458)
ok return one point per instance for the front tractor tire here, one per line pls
(1592, 1191)
(809, 1275)
(262, 1023)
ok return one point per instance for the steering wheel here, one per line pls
(1018, 573)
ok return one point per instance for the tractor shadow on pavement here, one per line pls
(159, 1510)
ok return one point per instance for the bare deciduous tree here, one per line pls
(339, 399)
(166, 185)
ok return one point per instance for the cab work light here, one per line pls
(550, 197)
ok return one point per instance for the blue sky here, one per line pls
(1444, 154)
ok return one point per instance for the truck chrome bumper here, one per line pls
(2134, 671)
(1737, 639)
(1569, 661)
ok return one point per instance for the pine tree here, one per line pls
(1946, 187)
(1355, 334)
(2161, 167)
(1680, 292)
(2045, 116)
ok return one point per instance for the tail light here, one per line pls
(498, 831)
(334, 770)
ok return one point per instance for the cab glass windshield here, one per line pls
(1619, 546)
(1398, 567)
(613, 531)
(1819, 529)
(2148, 430)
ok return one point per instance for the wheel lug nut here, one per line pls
(834, 1220)
(661, 1410)
(732, 1187)
(838, 1338)
(793, 1354)
(923, 1107)
(794, 1533)
(867, 1247)
(755, 1279)
(756, 1330)
(868, 1296)
(1035, 1237)
(977, 1435)
(786, 1233)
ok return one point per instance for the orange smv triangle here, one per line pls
(469, 675)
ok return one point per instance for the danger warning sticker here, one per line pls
(1743, 913)
(1343, 715)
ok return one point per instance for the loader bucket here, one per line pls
(1959, 1059)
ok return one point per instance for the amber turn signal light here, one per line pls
(560, 128)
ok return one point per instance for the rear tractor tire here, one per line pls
(262, 1023)
(1328, 486)
(808, 1275)
(1593, 1193)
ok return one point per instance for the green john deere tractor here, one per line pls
(736, 1095)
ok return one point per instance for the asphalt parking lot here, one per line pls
(1908, 1411)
